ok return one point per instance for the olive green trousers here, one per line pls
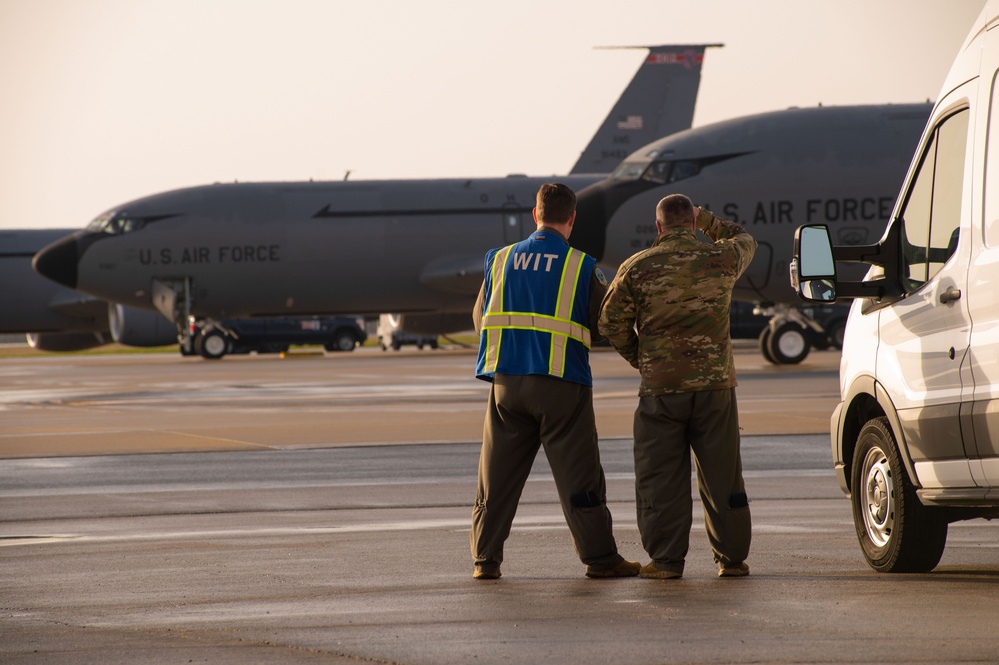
(668, 428)
(524, 414)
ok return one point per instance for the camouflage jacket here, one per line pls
(667, 310)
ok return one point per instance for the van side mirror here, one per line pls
(815, 249)
(813, 266)
(813, 269)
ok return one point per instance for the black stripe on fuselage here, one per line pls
(326, 213)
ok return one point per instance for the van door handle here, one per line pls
(950, 296)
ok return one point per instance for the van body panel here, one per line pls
(924, 338)
(921, 346)
(859, 355)
(924, 360)
(983, 273)
(934, 433)
(991, 469)
(945, 474)
(863, 399)
(836, 438)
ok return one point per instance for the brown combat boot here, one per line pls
(486, 572)
(733, 570)
(623, 568)
(650, 572)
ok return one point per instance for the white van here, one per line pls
(916, 437)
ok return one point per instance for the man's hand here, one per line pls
(697, 217)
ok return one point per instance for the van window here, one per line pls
(931, 217)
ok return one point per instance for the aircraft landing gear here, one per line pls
(212, 344)
(791, 334)
(788, 343)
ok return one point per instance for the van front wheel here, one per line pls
(897, 533)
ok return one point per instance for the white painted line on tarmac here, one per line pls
(534, 523)
(263, 532)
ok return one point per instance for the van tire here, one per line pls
(897, 533)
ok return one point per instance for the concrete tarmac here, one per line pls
(109, 404)
(315, 510)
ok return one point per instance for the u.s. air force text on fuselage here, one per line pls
(202, 255)
(830, 211)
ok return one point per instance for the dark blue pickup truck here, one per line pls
(275, 334)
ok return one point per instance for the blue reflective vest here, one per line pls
(535, 317)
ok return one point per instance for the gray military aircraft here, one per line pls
(416, 246)
(413, 247)
(57, 318)
(771, 172)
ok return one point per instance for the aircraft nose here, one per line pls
(58, 261)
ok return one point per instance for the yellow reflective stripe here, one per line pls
(556, 355)
(563, 310)
(539, 322)
(495, 337)
(499, 277)
(570, 275)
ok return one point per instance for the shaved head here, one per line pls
(675, 211)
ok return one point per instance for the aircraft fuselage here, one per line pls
(771, 173)
(303, 248)
(412, 246)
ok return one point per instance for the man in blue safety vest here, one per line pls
(538, 304)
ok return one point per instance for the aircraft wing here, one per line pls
(461, 275)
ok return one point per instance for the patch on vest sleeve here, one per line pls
(600, 276)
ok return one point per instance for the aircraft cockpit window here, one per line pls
(629, 171)
(672, 171)
(116, 224)
(658, 172)
(128, 224)
(99, 224)
(684, 168)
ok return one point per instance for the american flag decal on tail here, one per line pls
(631, 122)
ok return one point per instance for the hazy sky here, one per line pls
(104, 101)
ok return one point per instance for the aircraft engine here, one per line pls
(67, 341)
(135, 327)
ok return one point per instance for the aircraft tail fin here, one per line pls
(658, 102)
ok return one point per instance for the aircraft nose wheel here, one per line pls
(787, 345)
(212, 344)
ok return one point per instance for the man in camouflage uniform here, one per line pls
(667, 313)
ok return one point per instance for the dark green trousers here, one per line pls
(668, 428)
(524, 414)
